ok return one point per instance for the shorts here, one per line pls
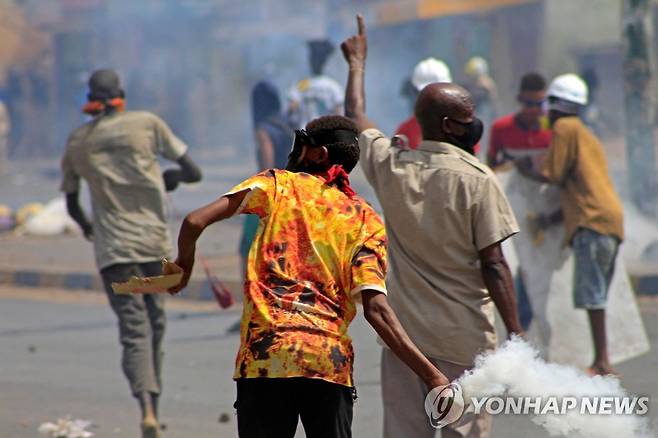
(271, 408)
(594, 255)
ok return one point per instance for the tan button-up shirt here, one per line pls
(441, 207)
(576, 161)
(117, 155)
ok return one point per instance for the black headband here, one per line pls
(325, 137)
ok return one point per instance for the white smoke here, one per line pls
(516, 370)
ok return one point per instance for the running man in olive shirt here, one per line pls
(116, 154)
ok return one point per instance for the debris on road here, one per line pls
(66, 428)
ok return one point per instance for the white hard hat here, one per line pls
(429, 71)
(476, 66)
(569, 87)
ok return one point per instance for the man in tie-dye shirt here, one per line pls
(319, 249)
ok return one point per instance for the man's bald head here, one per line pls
(439, 101)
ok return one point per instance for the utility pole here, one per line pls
(637, 28)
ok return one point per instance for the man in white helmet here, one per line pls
(427, 71)
(591, 209)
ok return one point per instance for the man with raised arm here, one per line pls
(446, 218)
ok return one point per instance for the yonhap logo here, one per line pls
(444, 405)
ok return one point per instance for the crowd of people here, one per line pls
(312, 248)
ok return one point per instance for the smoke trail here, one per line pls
(515, 370)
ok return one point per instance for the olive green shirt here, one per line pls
(577, 163)
(117, 155)
(441, 207)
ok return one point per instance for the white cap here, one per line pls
(429, 71)
(570, 88)
(476, 66)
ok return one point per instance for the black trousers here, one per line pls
(271, 408)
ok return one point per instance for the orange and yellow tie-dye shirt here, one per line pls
(316, 249)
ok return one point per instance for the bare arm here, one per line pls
(188, 172)
(194, 224)
(75, 211)
(382, 318)
(498, 279)
(355, 50)
(265, 150)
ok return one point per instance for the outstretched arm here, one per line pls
(498, 279)
(78, 215)
(188, 172)
(382, 318)
(194, 224)
(355, 50)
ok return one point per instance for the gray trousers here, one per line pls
(141, 320)
(404, 395)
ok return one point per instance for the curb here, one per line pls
(197, 289)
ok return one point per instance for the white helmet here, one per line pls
(569, 87)
(429, 71)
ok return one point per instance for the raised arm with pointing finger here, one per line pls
(355, 51)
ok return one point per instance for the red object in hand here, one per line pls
(222, 294)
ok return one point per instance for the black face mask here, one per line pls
(471, 136)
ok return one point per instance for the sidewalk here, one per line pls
(68, 262)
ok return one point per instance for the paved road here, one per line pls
(59, 356)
